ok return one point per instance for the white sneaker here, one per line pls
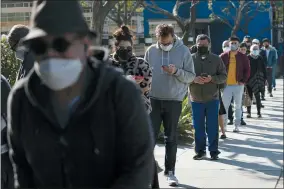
(171, 179)
(236, 130)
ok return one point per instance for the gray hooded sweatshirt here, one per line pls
(164, 85)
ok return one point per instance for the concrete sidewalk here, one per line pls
(252, 158)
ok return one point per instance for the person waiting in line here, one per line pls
(222, 112)
(248, 42)
(242, 49)
(263, 54)
(237, 66)
(204, 94)
(75, 122)
(14, 37)
(257, 78)
(7, 178)
(173, 70)
(133, 67)
(271, 57)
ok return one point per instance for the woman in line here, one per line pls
(257, 78)
(134, 68)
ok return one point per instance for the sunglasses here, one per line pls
(124, 48)
(40, 46)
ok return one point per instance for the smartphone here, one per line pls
(204, 75)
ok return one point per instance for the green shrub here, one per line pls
(9, 64)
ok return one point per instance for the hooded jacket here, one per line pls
(165, 86)
(6, 167)
(26, 65)
(107, 142)
(138, 67)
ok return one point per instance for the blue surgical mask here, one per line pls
(234, 47)
(255, 52)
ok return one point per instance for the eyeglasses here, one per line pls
(40, 46)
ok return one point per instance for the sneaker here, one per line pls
(199, 156)
(249, 116)
(236, 130)
(243, 122)
(262, 98)
(214, 157)
(171, 179)
(262, 106)
(223, 136)
(274, 89)
(230, 122)
(271, 95)
(259, 115)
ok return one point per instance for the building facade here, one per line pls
(216, 30)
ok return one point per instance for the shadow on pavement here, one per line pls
(260, 149)
(186, 186)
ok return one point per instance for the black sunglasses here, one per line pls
(124, 48)
(40, 46)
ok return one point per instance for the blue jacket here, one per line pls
(272, 56)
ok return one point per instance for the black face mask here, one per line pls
(124, 54)
(202, 50)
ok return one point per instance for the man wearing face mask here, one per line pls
(204, 93)
(14, 39)
(247, 41)
(238, 69)
(173, 70)
(271, 63)
(73, 121)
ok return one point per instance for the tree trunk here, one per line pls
(186, 34)
(100, 13)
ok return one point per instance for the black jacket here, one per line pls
(108, 141)
(26, 65)
(6, 167)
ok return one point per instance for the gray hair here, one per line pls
(203, 37)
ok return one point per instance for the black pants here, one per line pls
(269, 79)
(167, 112)
(257, 98)
(155, 182)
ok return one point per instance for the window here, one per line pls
(10, 5)
(26, 5)
(19, 5)
(3, 5)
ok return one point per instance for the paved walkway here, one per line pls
(250, 159)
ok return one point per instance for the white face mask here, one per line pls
(226, 49)
(20, 54)
(166, 48)
(255, 52)
(57, 73)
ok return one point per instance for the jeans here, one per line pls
(206, 111)
(168, 112)
(236, 92)
(269, 76)
(273, 76)
(231, 112)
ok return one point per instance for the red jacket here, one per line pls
(243, 65)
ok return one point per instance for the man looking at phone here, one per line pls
(238, 69)
(173, 70)
(204, 93)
